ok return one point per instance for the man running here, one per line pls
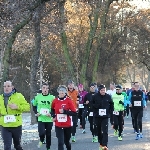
(45, 121)
(119, 103)
(88, 107)
(137, 102)
(102, 106)
(12, 105)
(111, 91)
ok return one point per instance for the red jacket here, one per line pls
(63, 120)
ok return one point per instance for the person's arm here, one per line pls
(129, 98)
(71, 111)
(111, 103)
(23, 105)
(144, 101)
(35, 102)
(52, 109)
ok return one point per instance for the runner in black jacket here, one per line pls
(102, 107)
(88, 107)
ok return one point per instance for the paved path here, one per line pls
(129, 143)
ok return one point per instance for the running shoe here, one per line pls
(141, 135)
(137, 137)
(119, 138)
(116, 133)
(103, 148)
(73, 139)
(95, 139)
(44, 142)
(83, 131)
(40, 144)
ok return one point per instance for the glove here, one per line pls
(121, 102)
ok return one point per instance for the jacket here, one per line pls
(102, 102)
(19, 100)
(63, 119)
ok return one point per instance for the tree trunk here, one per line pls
(93, 28)
(64, 41)
(105, 9)
(35, 58)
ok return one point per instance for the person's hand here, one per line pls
(48, 115)
(38, 114)
(61, 111)
(145, 107)
(54, 119)
(77, 102)
(13, 106)
(130, 105)
(87, 102)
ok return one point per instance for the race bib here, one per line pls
(44, 111)
(137, 103)
(116, 112)
(9, 118)
(91, 114)
(102, 112)
(61, 117)
(81, 106)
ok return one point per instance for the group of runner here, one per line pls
(72, 104)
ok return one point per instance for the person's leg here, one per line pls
(127, 110)
(120, 122)
(80, 116)
(67, 136)
(90, 118)
(48, 127)
(60, 137)
(99, 131)
(16, 135)
(104, 128)
(41, 130)
(135, 117)
(7, 138)
(74, 120)
(116, 125)
(84, 113)
(140, 115)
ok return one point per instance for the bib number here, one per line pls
(91, 114)
(44, 111)
(9, 118)
(137, 103)
(81, 106)
(102, 112)
(62, 118)
(116, 113)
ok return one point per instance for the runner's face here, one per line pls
(71, 87)
(45, 89)
(102, 91)
(81, 89)
(61, 94)
(119, 90)
(8, 87)
(92, 88)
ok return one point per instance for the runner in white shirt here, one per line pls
(111, 92)
(112, 89)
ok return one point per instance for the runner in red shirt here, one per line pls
(62, 110)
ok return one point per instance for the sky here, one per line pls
(140, 4)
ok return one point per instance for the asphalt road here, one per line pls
(84, 141)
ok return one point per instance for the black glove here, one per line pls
(121, 102)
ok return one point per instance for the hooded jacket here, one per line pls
(19, 100)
